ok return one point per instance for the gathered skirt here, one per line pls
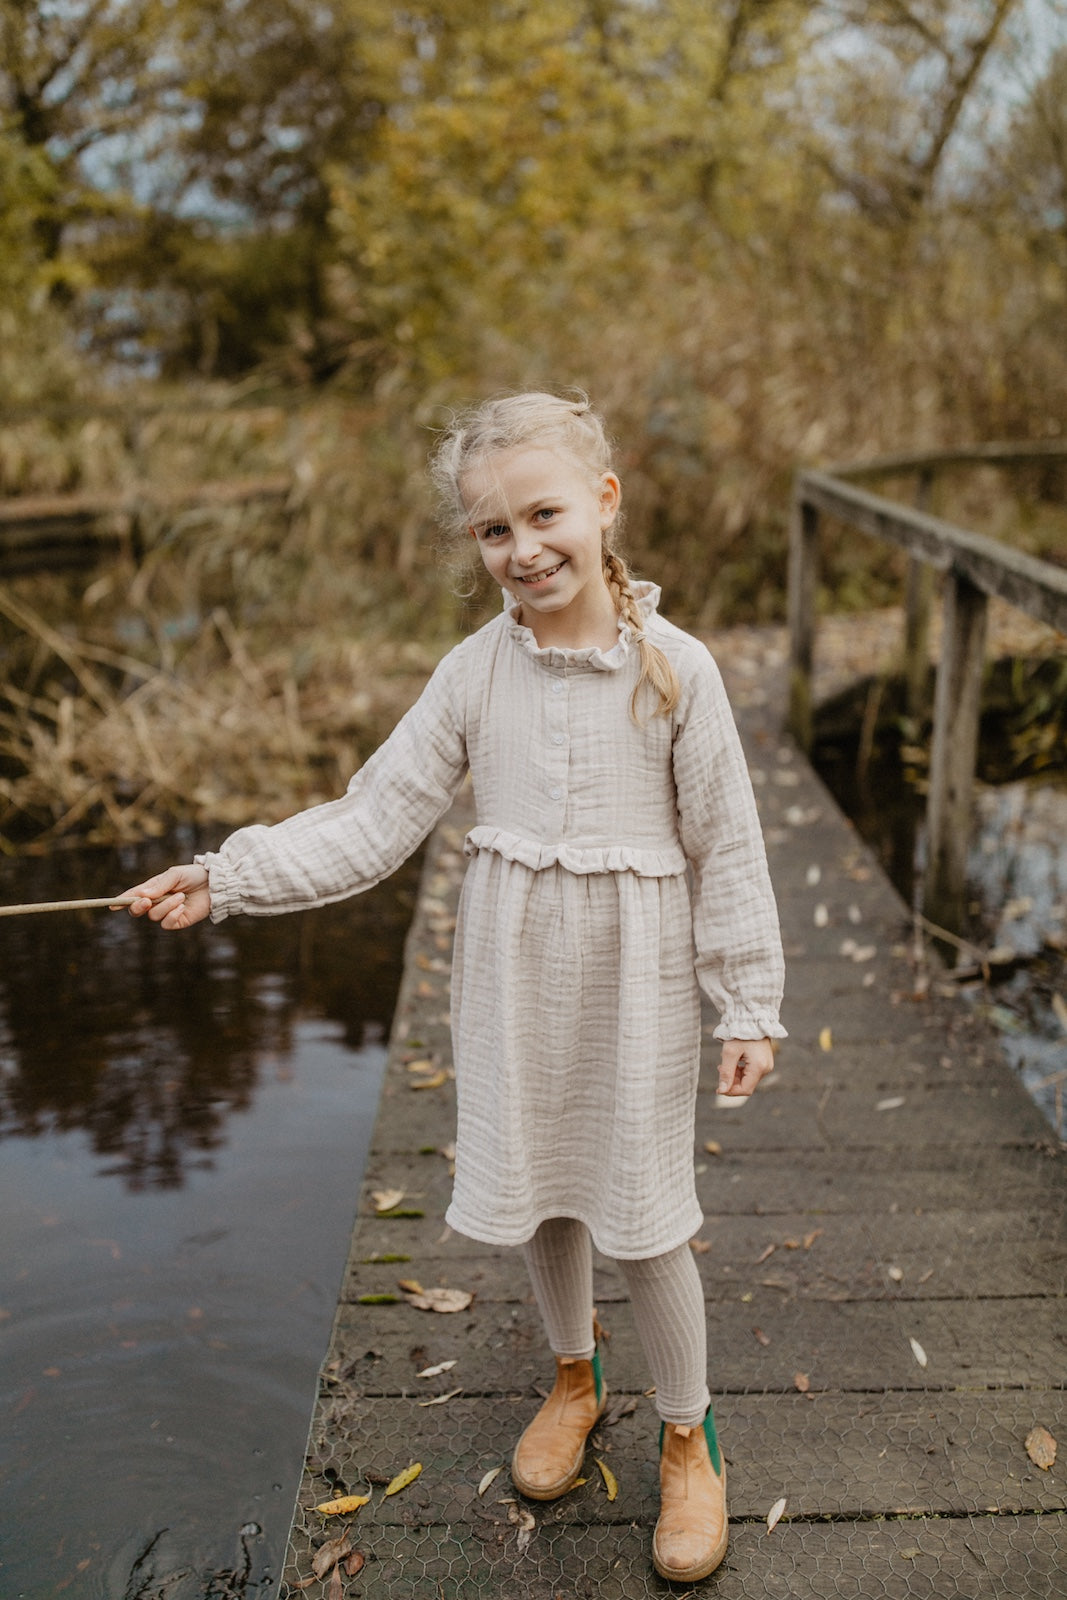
(576, 1036)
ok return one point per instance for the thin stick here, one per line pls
(114, 903)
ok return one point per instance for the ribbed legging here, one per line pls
(668, 1305)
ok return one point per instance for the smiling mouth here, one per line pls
(539, 577)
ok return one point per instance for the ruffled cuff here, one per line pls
(222, 886)
(750, 1025)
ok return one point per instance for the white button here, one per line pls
(557, 687)
(554, 794)
(557, 738)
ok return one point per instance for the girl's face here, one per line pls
(540, 523)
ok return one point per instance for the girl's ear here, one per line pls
(610, 499)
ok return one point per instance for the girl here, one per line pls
(616, 863)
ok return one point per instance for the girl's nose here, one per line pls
(527, 546)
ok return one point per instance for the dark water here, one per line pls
(1017, 871)
(184, 1120)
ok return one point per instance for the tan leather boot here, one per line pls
(690, 1537)
(548, 1457)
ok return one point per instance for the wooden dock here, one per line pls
(884, 1266)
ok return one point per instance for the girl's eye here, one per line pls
(545, 514)
(497, 531)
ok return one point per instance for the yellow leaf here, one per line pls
(826, 1039)
(432, 1083)
(409, 1285)
(775, 1513)
(802, 1382)
(341, 1507)
(402, 1479)
(386, 1199)
(489, 1479)
(420, 1066)
(610, 1481)
(713, 1147)
(1041, 1447)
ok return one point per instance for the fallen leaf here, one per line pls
(810, 1238)
(337, 1586)
(435, 1372)
(802, 1382)
(761, 1336)
(448, 1151)
(896, 1273)
(346, 1503)
(355, 1563)
(826, 1039)
(1041, 1447)
(774, 1514)
(700, 1247)
(624, 1407)
(611, 1483)
(439, 1399)
(712, 1147)
(329, 1554)
(918, 1352)
(821, 916)
(1059, 1006)
(490, 1478)
(431, 1083)
(440, 1300)
(812, 876)
(894, 1103)
(402, 1479)
(425, 1064)
(409, 1285)
(386, 1199)
(791, 1244)
(769, 1251)
(864, 952)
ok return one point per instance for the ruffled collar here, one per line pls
(647, 596)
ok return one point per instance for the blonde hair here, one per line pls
(572, 428)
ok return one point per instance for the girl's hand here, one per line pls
(175, 899)
(744, 1062)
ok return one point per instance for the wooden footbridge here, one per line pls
(884, 1260)
(884, 1255)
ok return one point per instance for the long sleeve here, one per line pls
(335, 850)
(739, 958)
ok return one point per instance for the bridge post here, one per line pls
(919, 603)
(954, 751)
(803, 584)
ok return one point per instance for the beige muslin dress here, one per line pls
(613, 866)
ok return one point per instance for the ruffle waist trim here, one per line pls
(532, 853)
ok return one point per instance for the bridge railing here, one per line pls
(974, 567)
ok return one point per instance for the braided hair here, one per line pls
(573, 428)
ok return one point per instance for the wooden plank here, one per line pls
(1036, 587)
(957, 706)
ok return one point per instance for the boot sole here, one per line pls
(562, 1485)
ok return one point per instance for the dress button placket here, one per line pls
(557, 736)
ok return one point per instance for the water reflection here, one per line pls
(149, 1042)
(185, 1119)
